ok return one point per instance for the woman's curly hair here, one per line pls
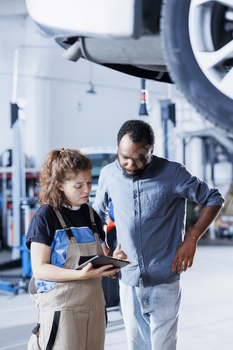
(60, 165)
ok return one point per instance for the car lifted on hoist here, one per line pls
(185, 42)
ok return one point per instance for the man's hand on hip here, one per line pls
(185, 254)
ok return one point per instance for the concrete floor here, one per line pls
(206, 315)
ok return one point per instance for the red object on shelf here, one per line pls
(28, 175)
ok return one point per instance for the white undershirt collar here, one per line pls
(74, 207)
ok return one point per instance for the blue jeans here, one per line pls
(151, 315)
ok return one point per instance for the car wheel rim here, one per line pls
(211, 37)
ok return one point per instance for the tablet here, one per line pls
(100, 260)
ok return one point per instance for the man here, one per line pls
(149, 197)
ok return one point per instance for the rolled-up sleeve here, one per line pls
(190, 187)
(102, 200)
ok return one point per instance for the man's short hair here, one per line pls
(138, 130)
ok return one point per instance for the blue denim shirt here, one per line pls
(150, 212)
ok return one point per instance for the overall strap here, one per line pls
(93, 224)
(68, 231)
(54, 329)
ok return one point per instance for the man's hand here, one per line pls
(185, 254)
(119, 254)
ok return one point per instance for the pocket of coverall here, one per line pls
(33, 343)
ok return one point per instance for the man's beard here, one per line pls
(137, 173)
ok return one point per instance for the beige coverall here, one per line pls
(81, 321)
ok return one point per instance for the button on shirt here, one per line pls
(150, 211)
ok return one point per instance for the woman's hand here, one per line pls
(42, 269)
(103, 271)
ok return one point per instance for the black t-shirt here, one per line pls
(45, 223)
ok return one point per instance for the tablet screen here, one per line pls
(100, 260)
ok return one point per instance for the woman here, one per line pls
(70, 302)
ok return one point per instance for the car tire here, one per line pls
(184, 69)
